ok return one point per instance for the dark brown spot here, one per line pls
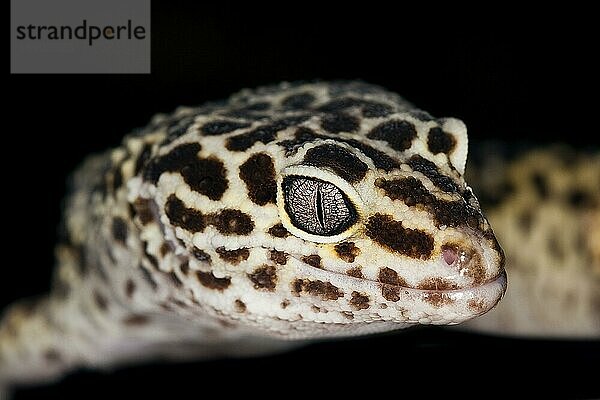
(129, 288)
(302, 136)
(292, 120)
(437, 283)
(102, 183)
(379, 158)
(233, 256)
(136, 320)
(148, 277)
(410, 190)
(355, 272)
(369, 109)
(119, 230)
(297, 286)
(239, 306)
(431, 171)
(298, 101)
(264, 277)
(201, 255)
(390, 293)
(52, 355)
(437, 299)
(398, 134)
(389, 276)
(145, 210)
(185, 267)
(475, 268)
(221, 127)
(175, 279)
(165, 249)
(347, 251)
(210, 281)
(117, 178)
(324, 290)
(391, 283)
(232, 222)
(285, 303)
(264, 134)
(455, 213)
(340, 122)
(359, 301)
(580, 199)
(340, 104)
(389, 233)
(82, 257)
(540, 184)
(341, 161)
(249, 115)
(257, 106)
(279, 257)
(477, 305)
(182, 216)
(206, 176)
(313, 260)
(100, 301)
(439, 141)
(173, 161)
(142, 158)
(178, 303)
(177, 128)
(279, 231)
(315, 309)
(258, 173)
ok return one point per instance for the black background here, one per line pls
(508, 75)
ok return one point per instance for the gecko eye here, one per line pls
(316, 206)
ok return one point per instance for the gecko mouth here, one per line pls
(477, 299)
(431, 285)
(497, 281)
(473, 300)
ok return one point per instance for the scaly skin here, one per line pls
(298, 211)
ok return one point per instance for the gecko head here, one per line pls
(312, 234)
(408, 245)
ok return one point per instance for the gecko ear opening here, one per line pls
(458, 154)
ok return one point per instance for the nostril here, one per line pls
(450, 255)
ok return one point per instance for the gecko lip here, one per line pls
(477, 299)
(496, 285)
(498, 281)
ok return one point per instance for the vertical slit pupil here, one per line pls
(319, 207)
